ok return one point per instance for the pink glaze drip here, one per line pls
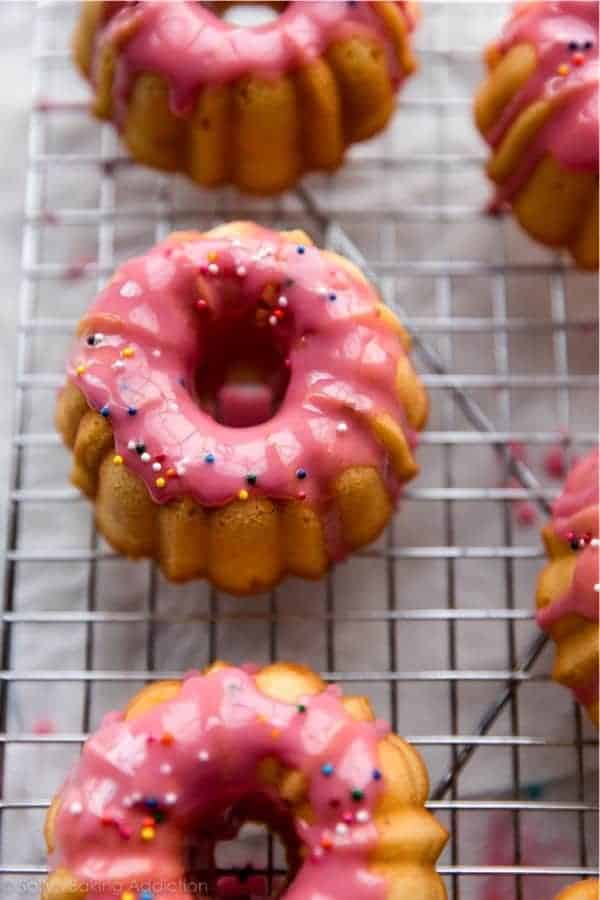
(191, 47)
(571, 134)
(576, 512)
(340, 357)
(194, 758)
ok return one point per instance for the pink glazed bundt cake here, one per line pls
(240, 405)
(567, 591)
(187, 763)
(538, 109)
(255, 107)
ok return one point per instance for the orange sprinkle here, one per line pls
(275, 733)
(212, 255)
(127, 352)
(578, 59)
(167, 738)
(260, 718)
(148, 822)
(326, 842)
(563, 69)
(171, 473)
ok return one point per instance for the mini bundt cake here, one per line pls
(583, 890)
(191, 761)
(538, 110)
(255, 107)
(567, 591)
(240, 405)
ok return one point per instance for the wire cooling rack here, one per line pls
(435, 621)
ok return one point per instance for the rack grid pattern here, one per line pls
(435, 621)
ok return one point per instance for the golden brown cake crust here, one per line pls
(583, 890)
(258, 131)
(248, 543)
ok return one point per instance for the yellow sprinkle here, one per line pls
(80, 370)
(118, 459)
(127, 352)
(212, 255)
(147, 833)
(563, 69)
(243, 494)
(127, 895)
(160, 482)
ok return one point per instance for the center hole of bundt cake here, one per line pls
(243, 374)
(247, 14)
(251, 852)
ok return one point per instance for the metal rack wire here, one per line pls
(505, 338)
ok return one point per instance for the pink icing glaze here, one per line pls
(191, 47)
(576, 513)
(571, 134)
(329, 341)
(194, 760)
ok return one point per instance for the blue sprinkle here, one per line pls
(300, 249)
(300, 473)
(327, 769)
(376, 775)
(132, 411)
(209, 458)
(145, 895)
(105, 412)
(151, 802)
(333, 296)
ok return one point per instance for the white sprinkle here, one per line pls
(213, 269)
(131, 445)
(272, 320)
(181, 470)
(130, 289)
(595, 542)
(156, 353)
(322, 290)
(235, 242)
(203, 756)
(170, 799)
(118, 364)
(127, 801)
(156, 466)
(341, 428)
(241, 271)
(145, 457)
(166, 769)
(174, 407)
(76, 808)
(283, 301)
(597, 588)
(99, 337)
(362, 815)
(341, 829)
(136, 797)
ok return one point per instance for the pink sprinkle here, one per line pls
(43, 726)
(555, 463)
(518, 451)
(78, 267)
(348, 817)
(525, 513)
